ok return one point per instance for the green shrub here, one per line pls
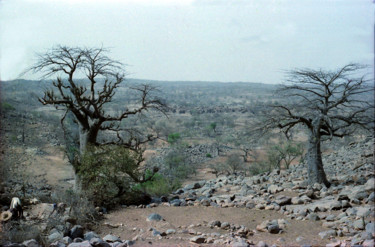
(7, 107)
(108, 174)
(208, 155)
(259, 168)
(173, 137)
(158, 185)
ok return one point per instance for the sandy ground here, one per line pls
(132, 222)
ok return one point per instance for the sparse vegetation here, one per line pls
(284, 154)
(109, 173)
(5, 106)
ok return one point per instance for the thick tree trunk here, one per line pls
(314, 161)
(83, 139)
(86, 137)
(77, 182)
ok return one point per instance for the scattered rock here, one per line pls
(154, 217)
(97, 242)
(198, 239)
(111, 238)
(76, 232)
(327, 234)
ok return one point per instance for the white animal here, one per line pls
(16, 208)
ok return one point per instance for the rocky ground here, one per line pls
(276, 208)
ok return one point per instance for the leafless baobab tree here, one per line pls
(86, 99)
(329, 103)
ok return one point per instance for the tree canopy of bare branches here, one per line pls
(87, 99)
(329, 103)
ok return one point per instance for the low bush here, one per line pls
(15, 232)
(80, 206)
(5, 106)
(259, 168)
(158, 185)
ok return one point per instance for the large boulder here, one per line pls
(283, 200)
(198, 239)
(154, 217)
(81, 244)
(274, 189)
(89, 235)
(97, 242)
(55, 237)
(328, 234)
(111, 238)
(31, 243)
(76, 232)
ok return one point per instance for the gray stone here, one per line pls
(274, 229)
(57, 244)
(240, 243)
(370, 227)
(359, 195)
(78, 240)
(313, 217)
(250, 205)
(225, 225)
(261, 244)
(198, 239)
(54, 237)
(76, 232)
(335, 205)
(155, 233)
(330, 217)
(274, 189)
(67, 240)
(262, 227)
(205, 202)
(214, 223)
(359, 224)
(90, 235)
(111, 238)
(154, 217)
(31, 243)
(355, 241)
(334, 244)
(192, 186)
(369, 243)
(97, 242)
(296, 200)
(370, 185)
(170, 231)
(129, 243)
(118, 244)
(81, 244)
(327, 234)
(366, 236)
(175, 202)
(363, 211)
(300, 239)
(283, 200)
(371, 197)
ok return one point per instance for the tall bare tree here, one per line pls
(329, 103)
(87, 99)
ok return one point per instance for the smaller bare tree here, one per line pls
(329, 103)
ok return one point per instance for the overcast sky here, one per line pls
(207, 40)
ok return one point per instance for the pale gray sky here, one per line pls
(210, 40)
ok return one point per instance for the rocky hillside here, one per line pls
(282, 206)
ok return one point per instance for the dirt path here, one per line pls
(132, 222)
